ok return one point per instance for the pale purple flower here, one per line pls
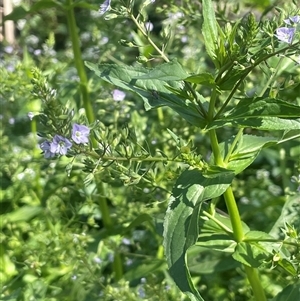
(60, 145)
(104, 7)
(80, 133)
(294, 19)
(118, 95)
(285, 34)
(45, 147)
(141, 292)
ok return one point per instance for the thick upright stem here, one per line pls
(254, 280)
(234, 215)
(73, 31)
(236, 222)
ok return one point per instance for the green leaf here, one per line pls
(18, 13)
(176, 227)
(181, 221)
(258, 107)
(288, 266)
(290, 293)
(290, 214)
(204, 78)
(245, 152)
(167, 72)
(289, 135)
(210, 29)
(204, 261)
(154, 92)
(264, 114)
(218, 242)
(257, 236)
(250, 144)
(250, 254)
(44, 4)
(24, 213)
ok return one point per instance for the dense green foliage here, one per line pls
(154, 207)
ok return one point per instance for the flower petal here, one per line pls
(104, 7)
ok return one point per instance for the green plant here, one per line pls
(245, 90)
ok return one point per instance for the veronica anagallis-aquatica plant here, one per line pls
(236, 51)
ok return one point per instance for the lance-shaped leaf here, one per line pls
(155, 92)
(205, 78)
(264, 114)
(289, 215)
(167, 72)
(245, 151)
(181, 226)
(210, 29)
(289, 293)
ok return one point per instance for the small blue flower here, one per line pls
(294, 19)
(80, 133)
(60, 145)
(45, 147)
(104, 7)
(285, 34)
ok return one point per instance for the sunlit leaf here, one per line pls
(154, 91)
(250, 254)
(181, 222)
(167, 72)
(261, 113)
(205, 79)
(290, 214)
(245, 152)
(209, 28)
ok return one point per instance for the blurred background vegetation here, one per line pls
(53, 243)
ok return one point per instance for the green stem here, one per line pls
(255, 282)
(107, 222)
(36, 154)
(234, 215)
(236, 222)
(118, 266)
(145, 34)
(73, 31)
